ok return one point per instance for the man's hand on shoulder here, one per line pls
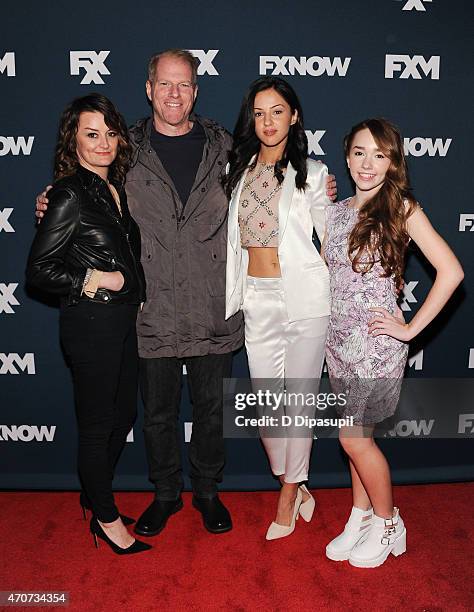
(42, 203)
(331, 187)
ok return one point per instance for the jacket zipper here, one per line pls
(117, 221)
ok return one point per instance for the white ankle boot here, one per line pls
(385, 536)
(356, 529)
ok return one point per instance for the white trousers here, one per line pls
(279, 350)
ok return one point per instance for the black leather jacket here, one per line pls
(84, 229)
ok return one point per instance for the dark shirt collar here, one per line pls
(148, 126)
(196, 128)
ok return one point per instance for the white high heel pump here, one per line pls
(276, 531)
(307, 507)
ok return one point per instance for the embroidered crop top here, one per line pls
(258, 207)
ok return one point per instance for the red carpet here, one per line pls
(45, 545)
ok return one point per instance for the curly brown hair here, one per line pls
(381, 231)
(66, 160)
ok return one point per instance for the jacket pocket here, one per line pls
(207, 231)
(216, 322)
(216, 284)
(148, 250)
(148, 319)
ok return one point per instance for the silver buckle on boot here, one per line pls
(390, 529)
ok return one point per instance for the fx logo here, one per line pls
(5, 225)
(10, 144)
(416, 5)
(7, 62)
(25, 363)
(313, 142)
(466, 220)
(466, 422)
(314, 66)
(92, 62)
(421, 146)
(408, 297)
(416, 361)
(205, 61)
(7, 299)
(408, 66)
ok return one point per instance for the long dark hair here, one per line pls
(246, 143)
(66, 160)
(381, 231)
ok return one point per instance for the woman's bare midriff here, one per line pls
(263, 262)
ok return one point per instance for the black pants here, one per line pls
(161, 380)
(100, 342)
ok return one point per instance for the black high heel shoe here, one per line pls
(86, 505)
(98, 532)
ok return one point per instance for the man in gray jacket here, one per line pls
(175, 195)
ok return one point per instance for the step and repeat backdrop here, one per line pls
(407, 60)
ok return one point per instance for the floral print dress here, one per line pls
(369, 369)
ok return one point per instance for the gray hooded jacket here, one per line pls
(183, 253)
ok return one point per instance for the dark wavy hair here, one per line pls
(66, 160)
(381, 231)
(246, 143)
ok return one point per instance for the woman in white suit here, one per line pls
(274, 271)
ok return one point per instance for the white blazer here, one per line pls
(304, 274)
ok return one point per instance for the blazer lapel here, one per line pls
(233, 222)
(286, 198)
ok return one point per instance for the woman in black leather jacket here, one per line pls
(87, 251)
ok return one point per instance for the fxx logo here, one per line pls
(415, 5)
(206, 59)
(417, 147)
(93, 62)
(7, 298)
(27, 433)
(408, 295)
(314, 139)
(314, 66)
(412, 67)
(416, 360)
(7, 64)
(466, 423)
(10, 144)
(466, 220)
(13, 363)
(5, 225)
